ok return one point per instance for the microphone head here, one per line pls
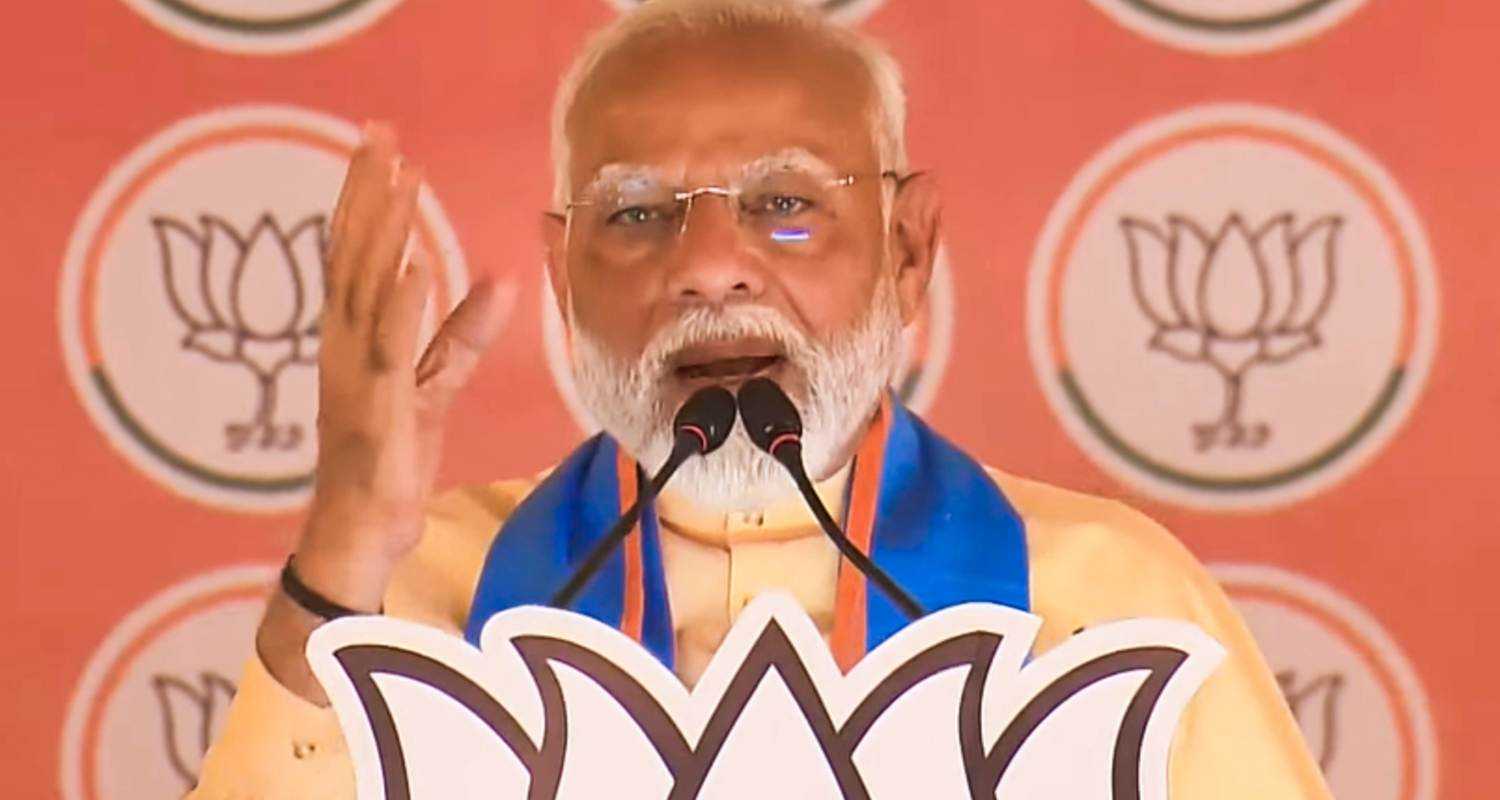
(708, 416)
(769, 415)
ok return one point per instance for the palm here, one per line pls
(380, 423)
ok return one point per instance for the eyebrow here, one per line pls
(620, 173)
(617, 173)
(790, 158)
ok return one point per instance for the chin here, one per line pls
(736, 477)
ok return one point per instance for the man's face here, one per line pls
(778, 114)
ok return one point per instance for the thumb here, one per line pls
(455, 350)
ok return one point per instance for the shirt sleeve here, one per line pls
(277, 746)
(1096, 560)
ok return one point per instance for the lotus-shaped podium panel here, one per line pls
(556, 705)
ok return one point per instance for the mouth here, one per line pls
(727, 362)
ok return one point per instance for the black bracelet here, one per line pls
(310, 601)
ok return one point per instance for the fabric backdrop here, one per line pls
(1232, 261)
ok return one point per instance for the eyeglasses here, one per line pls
(784, 210)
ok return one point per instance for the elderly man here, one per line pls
(694, 243)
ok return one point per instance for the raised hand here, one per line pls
(381, 410)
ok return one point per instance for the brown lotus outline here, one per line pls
(689, 765)
(189, 717)
(1317, 696)
(208, 270)
(1288, 277)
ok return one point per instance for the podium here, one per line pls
(554, 704)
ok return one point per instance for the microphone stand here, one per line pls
(773, 424)
(789, 453)
(700, 427)
(686, 446)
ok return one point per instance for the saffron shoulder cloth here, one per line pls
(922, 509)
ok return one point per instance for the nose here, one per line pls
(712, 263)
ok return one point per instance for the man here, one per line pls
(732, 199)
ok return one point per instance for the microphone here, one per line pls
(700, 427)
(775, 426)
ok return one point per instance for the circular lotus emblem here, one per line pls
(1232, 307)
(1357, 699)
(155, 693)
(191, 294)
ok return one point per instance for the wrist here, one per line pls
(359, 521)
(310, 599)
(281, 642)
(347, 573)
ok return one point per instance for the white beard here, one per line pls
(845, 379)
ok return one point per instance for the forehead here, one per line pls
(696, 102)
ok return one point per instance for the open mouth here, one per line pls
(722, 362)
(734, 368)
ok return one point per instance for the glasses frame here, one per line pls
(685, 197)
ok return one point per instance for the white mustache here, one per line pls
(839, 381)
(707, 325)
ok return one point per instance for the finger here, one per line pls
(381, 258)
(371, 196)
(396, 255)
(453, 355)
(400, 321)
(358, 163)
(354, 197)
(338, 237)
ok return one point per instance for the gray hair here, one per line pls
(706, 16)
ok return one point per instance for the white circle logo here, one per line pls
(259, 27)
(154, 695)
(191, 294)
(926, 343)
(1228, 27)
(1232, 307)
(1360, 706)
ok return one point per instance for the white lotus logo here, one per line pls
(251, 299)
(1232, 299)
(557, 705)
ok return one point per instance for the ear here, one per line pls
(916, 222)
(555, 240)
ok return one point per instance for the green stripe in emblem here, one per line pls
(1233, 483)
(290, 24)
(273, 485)
(1242, 25)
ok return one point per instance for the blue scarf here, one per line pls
(943, 531)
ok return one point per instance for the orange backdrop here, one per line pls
(159, 158)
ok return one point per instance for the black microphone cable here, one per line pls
(774, 425)
(700, 427)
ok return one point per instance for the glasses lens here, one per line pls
(628, 217)
(788, 211)
(790, 208)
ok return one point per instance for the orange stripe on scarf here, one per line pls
(849, 618)
(633, 616)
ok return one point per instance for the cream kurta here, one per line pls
(1092, 560)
